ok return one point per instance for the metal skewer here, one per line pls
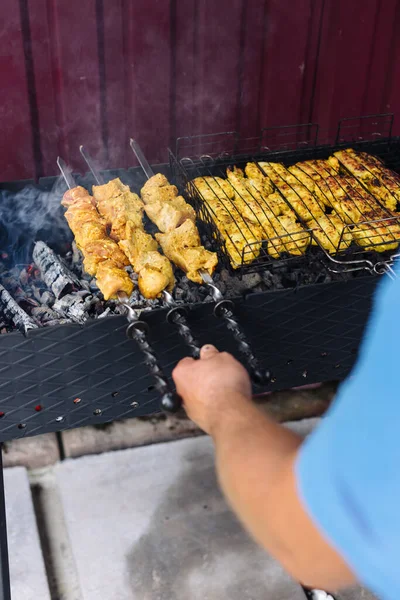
(137, 329)
(223, 308)
(177, 314)
(99, 179)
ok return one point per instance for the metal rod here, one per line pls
(176, 315)
(223, 308)
(5, 591)
(141, 158)
(99, 179)
(66, 172)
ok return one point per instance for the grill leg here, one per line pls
(5, 592)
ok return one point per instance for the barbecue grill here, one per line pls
(299, 318)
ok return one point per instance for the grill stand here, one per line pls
(5, 591)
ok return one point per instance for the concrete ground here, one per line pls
(145, 523)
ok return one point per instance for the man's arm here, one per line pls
(255, 465)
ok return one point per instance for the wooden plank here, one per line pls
(147, 42)
(75, 68)
(44, 87)
(287, 36)
(217, 63)
(380, 59)
(16, 151)
(184, 97)
(252, 65)
(391, 100)
(114, 70)
(343, 65)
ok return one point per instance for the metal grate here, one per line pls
(257, 242)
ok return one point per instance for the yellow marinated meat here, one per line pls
(112, 280)
(213, 187)
(318, 169)
(241, 238)
(248, 200)
(154, 270)
(118, 205)
(331, 233)
(183, 247)
(347, 197)
(258, 179)
(379, 181)
(378, 232)
(102, 257)
(122, 210)
(163, 205)
(167, 215)
(287, 236)
(305, 205)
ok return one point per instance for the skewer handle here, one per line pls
(170, 401)
(178, 316)
(224, 310)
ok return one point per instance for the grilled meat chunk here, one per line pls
(378, 232)
(111, 280)
(154, 270)
(164, 206)
(242, 238)
(379, 181)
(100, 250)
(287, 236)
(331, 233)
(183, 247)
(247, 199)
(347, 197)
(317, 169)
(258, 179)
(118, 205)
(167, 215)
(212, 187)
(123, 212)
(305, 205)
(102, 257)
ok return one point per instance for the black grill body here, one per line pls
(67, 376)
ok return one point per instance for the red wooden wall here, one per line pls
(100, 71)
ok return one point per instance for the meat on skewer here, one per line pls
(102, 256)
(122, 211)
(175, 218)
(164, 207)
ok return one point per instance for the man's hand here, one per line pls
(212, 386)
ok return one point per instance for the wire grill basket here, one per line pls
(348, 223)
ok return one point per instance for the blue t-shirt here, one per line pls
(348, 470)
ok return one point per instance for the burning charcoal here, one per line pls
(86, 285)
(37, 292)
(76, 256)
(24, 277)
(47, 299)
(250, 280)
(54, 272)
(57, 322)
(14, 313)
(45, 314)
(73, 306)
(178, 294)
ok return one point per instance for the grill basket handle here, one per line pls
(224, 310)
(170, 401)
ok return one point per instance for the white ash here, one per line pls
(26, 286)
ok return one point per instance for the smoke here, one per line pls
(28, 215)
